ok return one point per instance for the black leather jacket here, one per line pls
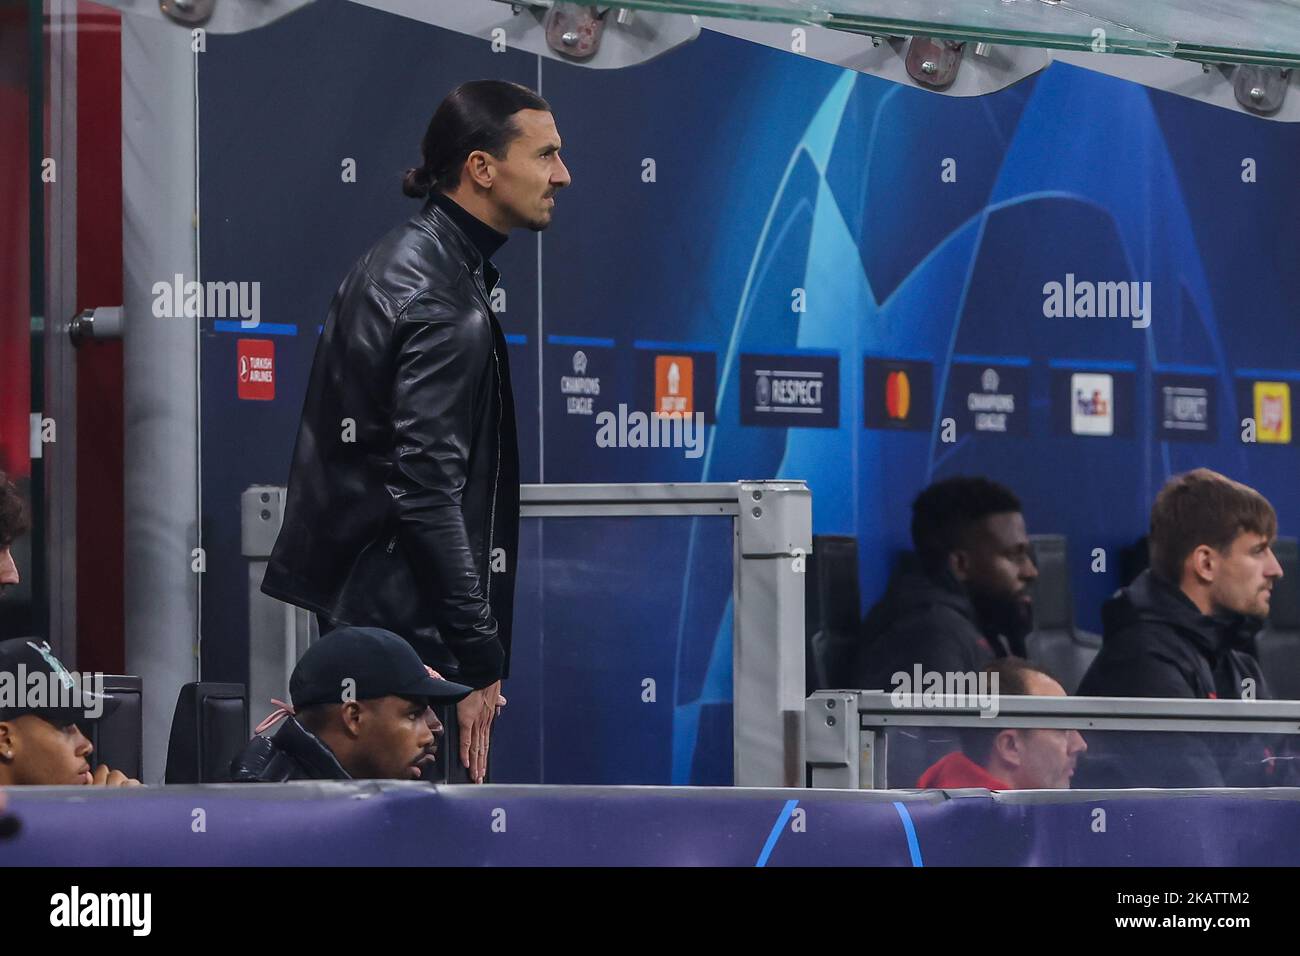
(405, 474)
(293, 753)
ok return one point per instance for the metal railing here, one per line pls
(772, 531)
(846, 744)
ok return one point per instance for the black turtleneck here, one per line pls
(486, 239)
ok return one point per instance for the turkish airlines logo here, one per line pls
(256, 369)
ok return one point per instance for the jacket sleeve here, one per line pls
(441, 358)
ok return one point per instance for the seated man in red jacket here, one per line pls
(1011, 758)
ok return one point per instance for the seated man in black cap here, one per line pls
(40, 704)
(361, 710)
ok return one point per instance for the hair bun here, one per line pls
(417, 182)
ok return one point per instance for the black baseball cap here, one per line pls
(63, 699)
(379, 663)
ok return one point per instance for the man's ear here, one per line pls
(1203, 562)
(478, 165)
(8, 741)
(350, 715)
(959, 564)
(1006, 747)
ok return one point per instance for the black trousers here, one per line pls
(447, 768)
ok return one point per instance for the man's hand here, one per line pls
(9, 825)
(104, 777)
(475, 715)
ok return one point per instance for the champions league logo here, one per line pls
(763, 390)
(579, 389)
(991, 407)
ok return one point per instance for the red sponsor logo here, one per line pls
(256, 369)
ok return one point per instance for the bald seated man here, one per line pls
(1011, 758)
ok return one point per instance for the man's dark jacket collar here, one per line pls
(1152, 599)
(310, 757)
(478, 240)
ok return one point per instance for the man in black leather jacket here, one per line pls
(361, 710)
(403, 494)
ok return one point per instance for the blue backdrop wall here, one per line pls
(891, 245)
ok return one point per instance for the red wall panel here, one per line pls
(100, 615)
(15, 260)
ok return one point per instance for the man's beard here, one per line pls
(999, 614)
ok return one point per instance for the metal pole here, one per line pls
(56, 393)
(278, 634)
(160, 371)
(773, 540)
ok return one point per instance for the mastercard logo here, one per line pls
(898, 395)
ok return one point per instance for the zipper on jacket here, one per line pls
(496, 480)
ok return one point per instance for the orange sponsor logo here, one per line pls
(674, 385)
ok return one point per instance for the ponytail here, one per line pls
(418, 182)
(477, 115)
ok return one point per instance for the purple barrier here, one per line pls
(319, 824)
